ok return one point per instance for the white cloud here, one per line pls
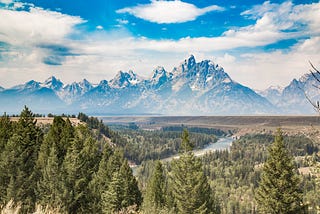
(274, 22)
(287, 16)
(165, 12)
(30, 35)
(260, 70)
(35, 26)
(6, 1)
(99, 27)
(122, 21)
(308, 15)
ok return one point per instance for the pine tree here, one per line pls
(100, 180)
(6, 128)
(60, 135)
(49, 187)
(119, 173)
(278, 190)
(317, 188)
(186, 144)
(155, 197)
(190, 188)
(112, 199)
(132, 194)
(21, 155)
(66, 138)
(6, 131)
(49, 163)
(80, 164)
(9, 166)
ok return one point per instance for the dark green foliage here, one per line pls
(119, 173)
(80, 163)
(76, 170)
(6, 131)
(132, 194)
(155, 197)
(133, 126)
(186, 144)
(6, 128)
(94, 123)
(18, 161)
(189, 185)
(59, 136)
(201, 130)
(101, 179)
(51, 156)
(278, 190)
(70, 168)
(113, 198)
(143, 145)
(50, 185)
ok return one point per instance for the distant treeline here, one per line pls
(216, 132)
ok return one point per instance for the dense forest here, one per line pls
(235, 174)
(84, 169)
(68, 169)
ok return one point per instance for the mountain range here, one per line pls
(192, 88)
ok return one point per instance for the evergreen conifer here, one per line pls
(190, 188)
(278, 190)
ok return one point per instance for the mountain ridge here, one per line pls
(191, 88)
(293, 99)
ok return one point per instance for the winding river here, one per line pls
(221, 144)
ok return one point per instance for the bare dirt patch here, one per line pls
(49, 120)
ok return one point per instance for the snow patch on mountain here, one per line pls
(125, 79)
(52, 83)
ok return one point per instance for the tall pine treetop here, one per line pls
(278, 190)
(186, 145)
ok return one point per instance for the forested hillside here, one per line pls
(69, 169)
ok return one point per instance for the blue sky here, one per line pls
(259, 43)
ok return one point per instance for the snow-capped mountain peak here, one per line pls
(158, 71)
(190, 62)
(201, 76)
(85, 85)
(53, 83)
(30, 85)
(103, 86)
(125, 79)
(185, 66)
(160, 76)
(272, 93)
(275, 88)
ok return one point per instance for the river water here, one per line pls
(221, 144)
